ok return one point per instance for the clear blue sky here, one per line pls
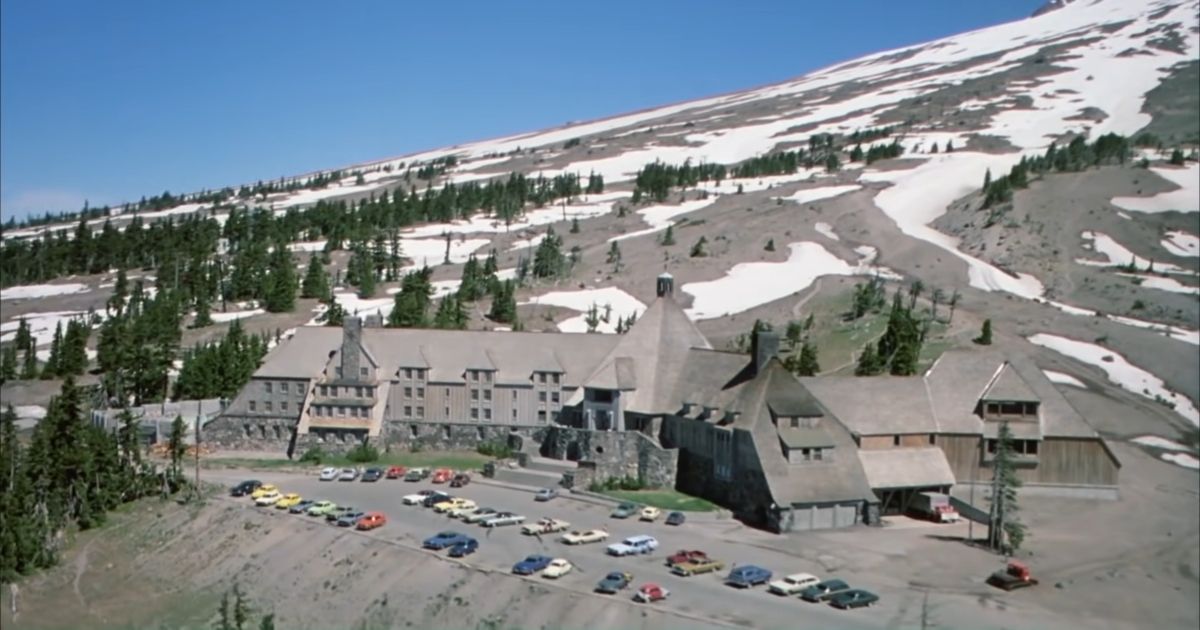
(109, 101)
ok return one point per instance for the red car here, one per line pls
(372, 520)
(682, 556)
(650, 593)
(442, 475)
(396, 472)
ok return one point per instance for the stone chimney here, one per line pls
(665, 286)
(351, 347)
(764, 346)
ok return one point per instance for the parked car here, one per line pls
(464, 548)
(583, 537)
(614, 582)
(480, 514)
(441, 540)
(853, 598)
(263, 489)
(633, 545)
(371, 520)
(435, 498)
(545, 494)
(396, 472)
(531, 565)
(625, 510)
(348, 474)
(501, 519)
(372, 474)
(244, 488)
(453, 504)
(748, 575)
(321, 508)
(338, 512)
(302, 507)
(459, 480)
(329, 474)
(650, 593)
(676, 518)
(416, 498)
(685, 555)
(545, 525)
(287, 501)
(792, 584)
(416, 474)
(350, 518)
(650, 514)
(269, 498)
(822, 591)
(465, 510)
(557, 568)
(442, 475)
(697, 567)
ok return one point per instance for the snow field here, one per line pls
(1182, 459)
(1185, 199)
(1120, 371)
(1118, 254)
(658, 217)
(593, 206)
(809, 195)
(36, 291)
(432, 251)
(1162, 284)
(622, 306)
(1182, 244)
(1154, 441)
(41, 325)
(747, 285)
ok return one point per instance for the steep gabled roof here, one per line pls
(1008, 386)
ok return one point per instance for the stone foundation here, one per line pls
(604, 455)
(246, 433)
(441, 436)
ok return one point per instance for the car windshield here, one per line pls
(533, 559)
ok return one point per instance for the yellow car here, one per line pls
(457, 503)
(266, 488)
(650, 513)
(289, 500)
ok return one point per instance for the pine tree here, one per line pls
(592, 318)
(24, 339)
(411, 306)
(316, 281)
(281, 282)
(51, 368)
(29, 368)
(450, 314)
(949, 146)
(8, 363)
(1005, 483)
(1177, 157)
(868, 362)
(614, 254)
(548, 260)
(698, 250)
(575, 225)
(794, 333)
(203, 314)
(116, 303)
(177, 448)
(474, 284)
(770, 245)
(808, 364)
(73, 359)
(668, 238)
(987, 179)
(504, 304)
(985, 334)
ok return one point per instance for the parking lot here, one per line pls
(500, 548)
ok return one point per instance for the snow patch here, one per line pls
(809, 195)
(1182, 459)
(661, 216)
(30, 412)
(1184, 199)
(1120, 371)
(1153, 441)
(1118, 254)
(41, 325)
(622, 305)
(826, 230)
(307, 246)
(1162, 284)
(1063, 379)
(232, 315)
(1182, 244)
(430, 252)
(36, 291)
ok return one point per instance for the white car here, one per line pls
(586, 536)
(329, 474)
(413, 499)
(479, 515)
(463, 512)
(269, 498)
(545, 526)
(348, 474)
(792, 584)
(502, 519)
(557, 568)
(650, 513)
(633, 545)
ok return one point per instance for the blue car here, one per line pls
(748, 575)
(441, 540)
(531, 565)
(464, 548)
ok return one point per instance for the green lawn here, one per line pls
(458, 460)
(665, 499)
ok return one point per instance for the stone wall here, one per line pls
(612, 454)
(247, 433)
(443, 436)
(745, 493)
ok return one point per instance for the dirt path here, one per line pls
(81, 567)
(816, 288)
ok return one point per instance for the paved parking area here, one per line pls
(500, 548)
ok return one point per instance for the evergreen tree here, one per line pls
(450, 314)
(614, 254)
(29, 368)
(668, 238)
(987, 179)
(316, 280)
(794, 333)
(575, 225)
(949, 146)
(116, 303)
(900, 346)
(1176, 157)
(24, 339)
(281, 292)
(548, 260)
(1005, 482)
(474, 285)
(51, 368)
(334, 313)
(73, 359)
(808, 364)
(592, 318)
(856, 154)
(504, 304)
(770, 245)
(869, 363)
(177, 448)
(985, 334)
(8, 363)
(698, 250)
(411, 306)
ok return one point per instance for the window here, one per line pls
(283, 406)
(408, 411)
(555, 376)
(370, 391)
(420, 393)
(806, 453)
(447, 413)
(487, 394)
(358, 392)
(474, 394)
(253, 406)
(333, 390)
(362, 371)
(991, 447)
(474, 413)
(817, 454)
(795, 422)
(474, 375)
(514, 414)
(408, 392)
(933, 438)
(342, 411)
(895, 440)
(267, 386)
(541, 377)
(408, 372)
(338, 371)
(267, 406)
(1031, 447)
(283, 387)
(324, 390)
(554, 397)
(541, 396)
(541, 415)
(447, 392)
(487, 414)
(487, 377)
(420, 375)
(420, 411)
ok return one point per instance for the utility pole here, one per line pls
(196, 446)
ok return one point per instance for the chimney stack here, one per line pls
(351, 347)
(764, 345)
(665, 286)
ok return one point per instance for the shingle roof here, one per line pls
(1008, 386)
(906, 468)
(875, 405)
(805, 437)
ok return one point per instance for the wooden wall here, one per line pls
(962, 453)
(1076, 461)
(875, 442)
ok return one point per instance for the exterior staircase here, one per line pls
(538, 472)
